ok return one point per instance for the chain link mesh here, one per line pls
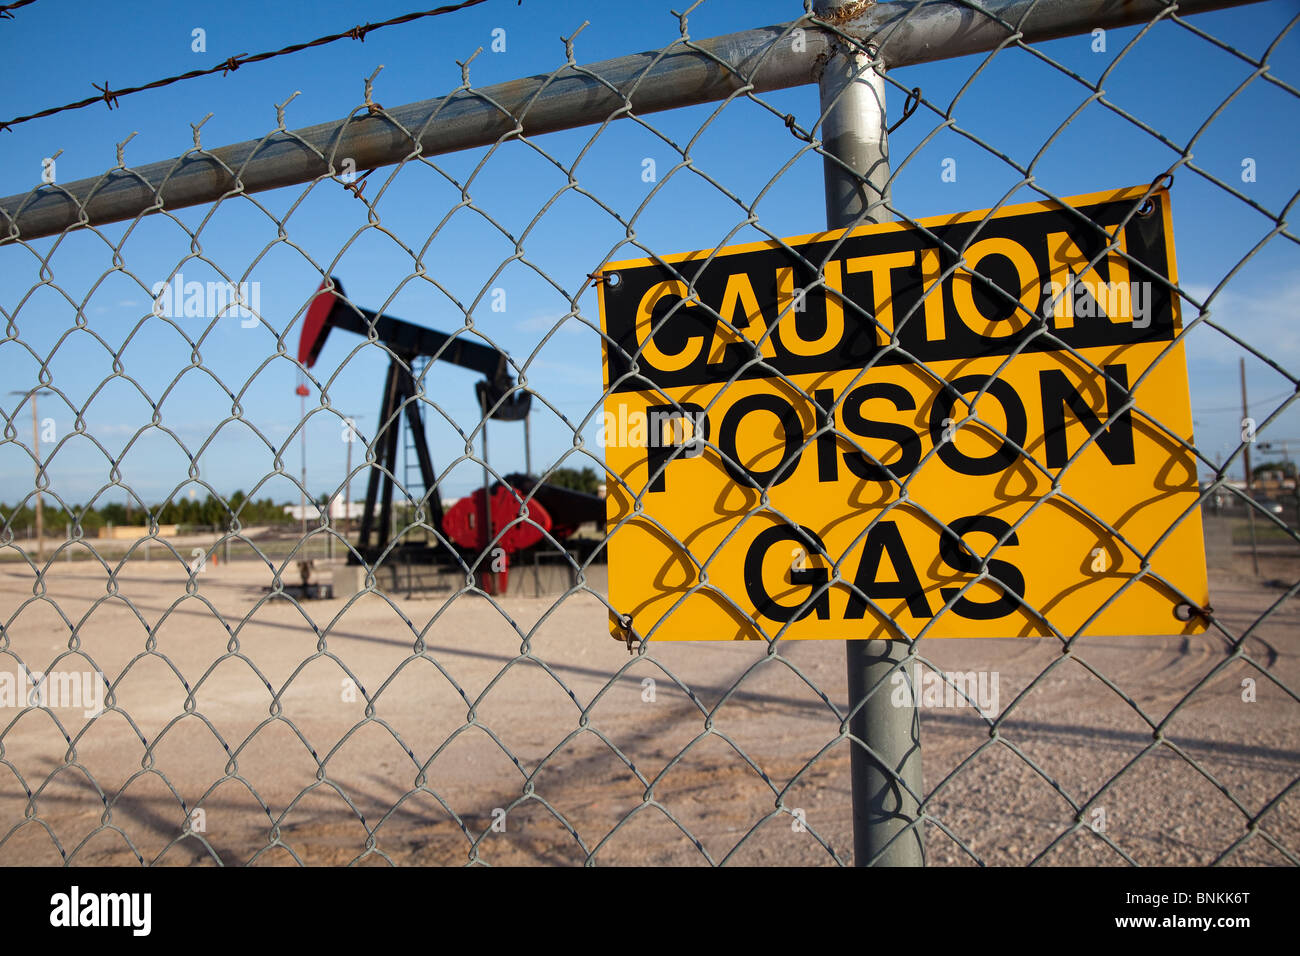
(243, 723)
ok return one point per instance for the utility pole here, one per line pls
(303, 392)
(36, 453)
(1250, 493)
(347, 481)
(40, 504)
(528, 447)
(885, 786)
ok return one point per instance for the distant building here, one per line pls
(338, 510)
(1274, 484)
(1269, 486)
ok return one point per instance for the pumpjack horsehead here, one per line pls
(463, 531)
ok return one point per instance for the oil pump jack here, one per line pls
(462, 532)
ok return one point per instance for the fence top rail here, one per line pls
(700, 71)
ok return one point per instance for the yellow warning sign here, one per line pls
(975, 426)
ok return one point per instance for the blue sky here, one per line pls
(55, 49)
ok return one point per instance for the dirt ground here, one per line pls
(254, 714)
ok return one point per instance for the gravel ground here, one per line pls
(252, 764)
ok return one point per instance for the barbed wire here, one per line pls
(4, 10)
(230, 64)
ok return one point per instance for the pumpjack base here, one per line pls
(304, 592)
(408, 569)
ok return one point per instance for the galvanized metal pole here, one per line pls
(854, 132)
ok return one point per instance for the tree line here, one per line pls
(208, 511)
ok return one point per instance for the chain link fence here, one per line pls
(179, 686)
